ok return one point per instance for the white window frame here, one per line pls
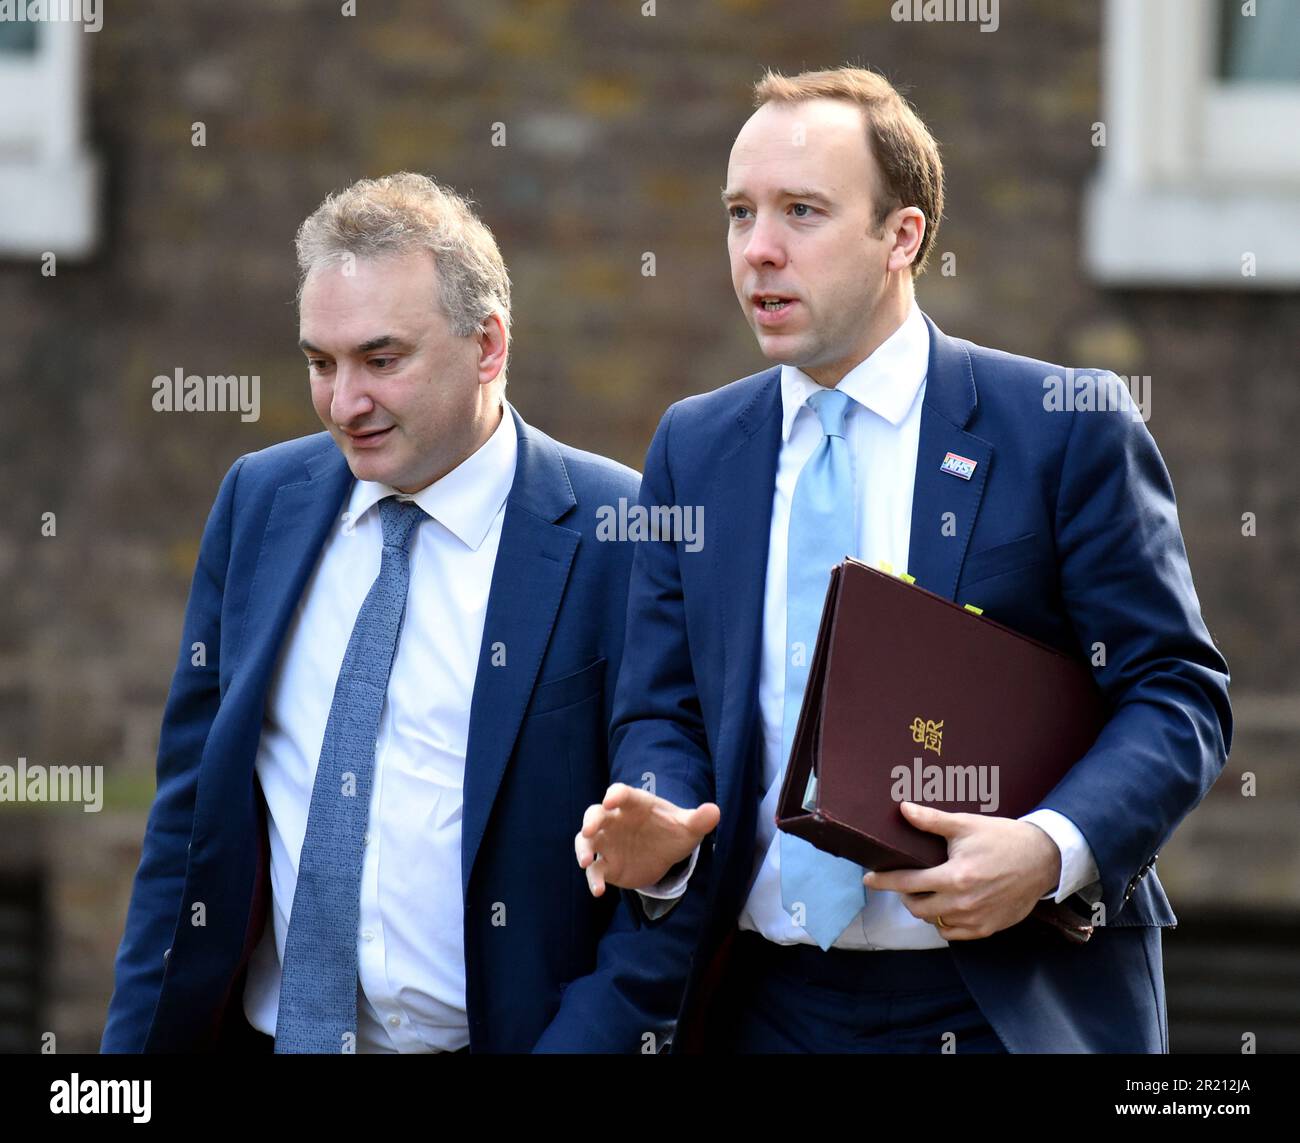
(49, 180)
(1196, 173)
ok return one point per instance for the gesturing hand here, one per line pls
(632, 838)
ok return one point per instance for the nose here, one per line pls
(350, 401)
(764, 246)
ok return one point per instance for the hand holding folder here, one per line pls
(913, 698)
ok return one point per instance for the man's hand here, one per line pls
(997, 870)
(632, 838)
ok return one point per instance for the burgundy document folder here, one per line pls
(913, 698)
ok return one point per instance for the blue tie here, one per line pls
(820, 892)
(318, 984)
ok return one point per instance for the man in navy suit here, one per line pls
(1033, 492)
(429, 901)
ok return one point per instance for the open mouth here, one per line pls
(770, 309)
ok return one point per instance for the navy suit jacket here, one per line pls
(1067, 531)
(558, 973)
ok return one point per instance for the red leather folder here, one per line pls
(913, 698)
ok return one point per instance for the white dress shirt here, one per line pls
(883, 432)
(410, 939)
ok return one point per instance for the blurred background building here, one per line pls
(1123, 192)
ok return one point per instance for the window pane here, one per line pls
(1263, 48)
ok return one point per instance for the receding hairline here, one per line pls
(407, 213)
(803, 100)
(863, 132)
(905, 156)
(336, 259)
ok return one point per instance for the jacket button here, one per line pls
(167, 956)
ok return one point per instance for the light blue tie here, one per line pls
(318, 984)
(820, 892)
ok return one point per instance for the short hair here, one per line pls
(403, 213)
(907, 155)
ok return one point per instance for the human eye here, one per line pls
(738, 213)
(802, 209)
(382, 362)
(317, 365)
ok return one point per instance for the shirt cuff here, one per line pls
(658, 899)
(1078, 867)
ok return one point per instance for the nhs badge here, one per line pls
(958, 465)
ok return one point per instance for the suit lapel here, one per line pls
(742, 505)
(939, 541)
(528, 581)
(296, 528)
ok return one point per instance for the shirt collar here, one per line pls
(886, 382)
(468, 498)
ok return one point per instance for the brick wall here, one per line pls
(618, 128)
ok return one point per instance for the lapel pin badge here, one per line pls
(958, 466)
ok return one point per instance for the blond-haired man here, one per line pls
(1058, 523)
(392, 694)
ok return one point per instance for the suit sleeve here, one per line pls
(156, 894)
(631, 1001)
(657, 734)
(1126, 584)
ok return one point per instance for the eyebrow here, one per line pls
(383, 341)
(730, 196)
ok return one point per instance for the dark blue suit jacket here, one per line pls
(536, 758)
(1068, 532)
